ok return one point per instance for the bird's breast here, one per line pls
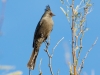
(47, 26)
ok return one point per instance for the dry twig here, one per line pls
(40, 67)
(50, 56)
(82, 63)
(29, 72)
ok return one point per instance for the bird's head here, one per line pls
(48, 11)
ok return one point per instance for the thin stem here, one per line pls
(73, 25)
(58, 72)
(82, 63)
(50, 58)
(29, 72)
(56, 45)
(73, 39)
(40, 67)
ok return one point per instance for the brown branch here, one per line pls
(73, 39)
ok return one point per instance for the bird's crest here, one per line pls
(47, 8)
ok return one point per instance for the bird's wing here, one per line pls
(40, 23)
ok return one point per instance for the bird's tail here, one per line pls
(31, 63)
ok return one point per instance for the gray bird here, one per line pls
(42, 32)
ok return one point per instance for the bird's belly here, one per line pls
(45, 30)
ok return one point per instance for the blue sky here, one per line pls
(20, 20)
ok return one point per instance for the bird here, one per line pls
(42, 32)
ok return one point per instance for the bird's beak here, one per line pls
(53, 14)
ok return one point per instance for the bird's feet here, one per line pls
(47, 43)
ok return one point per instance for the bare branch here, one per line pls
(2, 14)
(81, 3)
(62, 1)
(40, 67)
(56, 45)
(50, 56)
(82, 63)
(58, 72)
(66, 13)
(30, 72)
(78, 19)
(68, 2)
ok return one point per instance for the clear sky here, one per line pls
(20, 20)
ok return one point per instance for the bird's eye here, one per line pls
(50, 13)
